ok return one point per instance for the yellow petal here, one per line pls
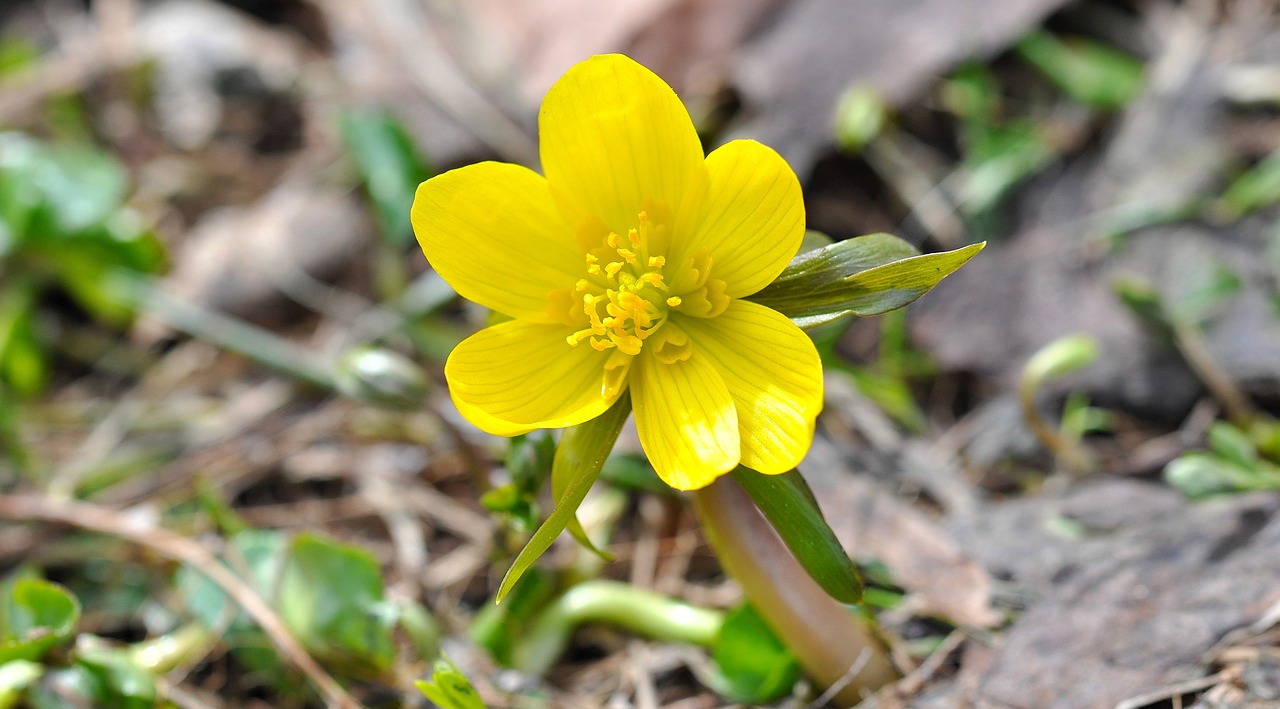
(752, 219)
(494, 233)
(773, 373)
(518, 376)
(685, 418)
(612, 134)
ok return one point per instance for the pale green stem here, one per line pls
(183, 646)
(829, 640)
(619, 604)
(222, 330)
(1069, 452)
(1195, 350)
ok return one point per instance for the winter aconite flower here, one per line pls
(626, 268)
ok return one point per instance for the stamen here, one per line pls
(635, 298)
(654, 279)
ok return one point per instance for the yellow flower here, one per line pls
(626, 267)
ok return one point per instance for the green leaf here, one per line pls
(581, 453)
(496, 628)
(22, 360)
(998, 158)
(1092, 73)
(389, 166)
(15, 677)
(37, 616)
(331, 596)
(1255, 189)
(973, 94)
(864, 276)
(790, 507)
(80, 186)
(1199, 475)
(261, 551)
(17, 53)
(754, 666)
(73, 686)
(120, 683)
(1232, 445)
(448, 688)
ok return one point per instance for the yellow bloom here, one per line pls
(626, 268)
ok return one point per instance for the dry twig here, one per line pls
(38, 508)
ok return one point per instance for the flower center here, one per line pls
(624, 296)
(629, 291)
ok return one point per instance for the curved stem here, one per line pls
(619, 604)
(831, 643)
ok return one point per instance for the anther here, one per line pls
(674, 301)
(654, 279)
(657, 261)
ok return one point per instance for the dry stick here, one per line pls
(32, 508)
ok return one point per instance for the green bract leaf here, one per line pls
(37, 615)
(581, 453)
(755, 667)
(1092, 73)
(448, 688)
(864, 276)
(389, 165)
(790, 507)
(331, 597)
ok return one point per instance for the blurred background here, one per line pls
(214, 320)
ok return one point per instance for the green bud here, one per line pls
(1059, 358)
(381, 376)
(860, 117)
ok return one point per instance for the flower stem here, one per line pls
(828, 639)
(619, 604)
